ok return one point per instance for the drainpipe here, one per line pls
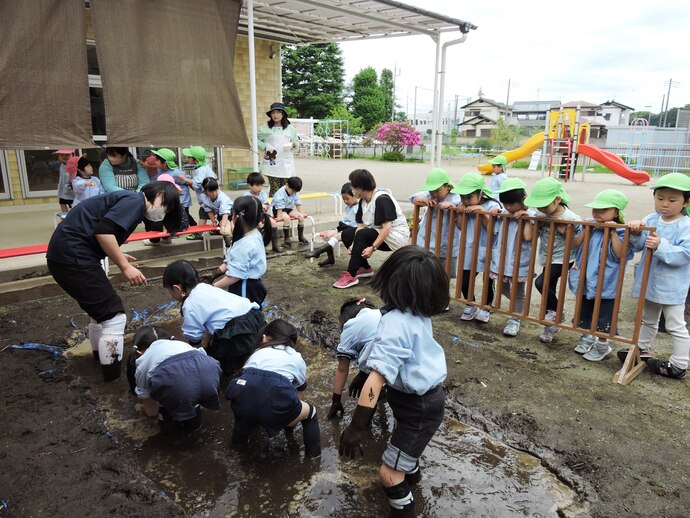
(252, 84)
(434, 119)
(438, 135)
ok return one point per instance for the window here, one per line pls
(42, 172)
(607, 117)
(4, 178)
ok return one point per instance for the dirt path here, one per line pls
(623, 449)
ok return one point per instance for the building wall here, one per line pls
(268, 85)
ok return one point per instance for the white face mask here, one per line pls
(155, 213)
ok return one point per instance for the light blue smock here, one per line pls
(558, 241)
(405, 353)
(246, 258)
(350, 215)
(669, 273)
(525, 248)
(283, 200)
(281, 359)
(447, 223)
(221, 205)
(185, 195)
(357, 337)
(84, 192)
(200, 174)
(487, 205)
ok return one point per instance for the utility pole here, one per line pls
(674, 84)
(455, 115)
(508, 97)
(395, 74)
(414, 109)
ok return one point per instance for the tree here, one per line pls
(313, 78)
(368, 101)
(505, 136)
(386, 84)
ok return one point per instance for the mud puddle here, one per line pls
(465, 471)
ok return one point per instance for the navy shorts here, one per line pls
(233, 344)
(262, 398)
(286, 211)
(605, 314)
(90, 287)
(252, 289)
(416, 420)
(185, 380)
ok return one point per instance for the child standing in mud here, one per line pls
(359, 321)
(221, 322)
(268, 392)
(405, 357)
(669, 273)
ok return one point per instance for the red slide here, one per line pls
(613, 162)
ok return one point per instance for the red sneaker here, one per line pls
(346, 281)
(363, 273)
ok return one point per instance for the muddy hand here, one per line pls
(336, 409)
(352, 437)
(357, 383)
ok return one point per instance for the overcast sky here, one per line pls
(591, 50)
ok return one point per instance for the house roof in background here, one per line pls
(486, 101)
(477, 119)
(618, 105)
(321, 21)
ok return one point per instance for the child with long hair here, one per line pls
(436, 195)
(333, 236)
(669, 273)
(268, 392)
(607, 207)
(223, 323)
(551, 201)
(359, 320)
(172, 379)
(475, 197)
(404, 356)
(512, 195)
(245, 261)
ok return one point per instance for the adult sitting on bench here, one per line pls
(380, 225)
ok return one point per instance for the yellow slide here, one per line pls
(529, 147)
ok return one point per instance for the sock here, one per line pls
(333, 241)
(111, 342)
(95, 332)
(413, 477)
(400, 496)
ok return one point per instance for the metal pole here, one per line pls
(668, 96)
(414, 109)
(437, 39)
(507, 99)
(395, 69)
(661, 112)
(252, 84)
(439, 142)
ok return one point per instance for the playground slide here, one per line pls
(613, 162)
(529, 147)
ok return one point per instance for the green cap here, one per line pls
(499, 160)
(435, 179)
(196, 152)
(677, 181)
(511, 184)
(471, 182)
(610, 198)
(168, 155)
(545, 191)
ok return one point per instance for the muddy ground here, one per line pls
(623, 450)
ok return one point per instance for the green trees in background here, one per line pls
(368, 99)
(313, 79)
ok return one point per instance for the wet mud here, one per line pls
(530, 430)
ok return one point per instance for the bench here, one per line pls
(311, 222)
(337, 205)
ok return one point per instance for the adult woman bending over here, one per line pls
(381, 225)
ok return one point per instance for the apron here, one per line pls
(400, 231)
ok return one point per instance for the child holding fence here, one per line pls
(245, 261)
(268, 392)
(475, 198)
(607, 207)
(512, 195)
(359, 321)
(551, 201)
(669, 273)
(406, 357)
(436, 195)
(333, 236)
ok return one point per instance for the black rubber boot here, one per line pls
(111, 372)
(274, 241)
(311, 434)
(286, 235)
(327, 249)
(96, 356)
(300, 235)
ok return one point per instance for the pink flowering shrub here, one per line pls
(395, 136)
